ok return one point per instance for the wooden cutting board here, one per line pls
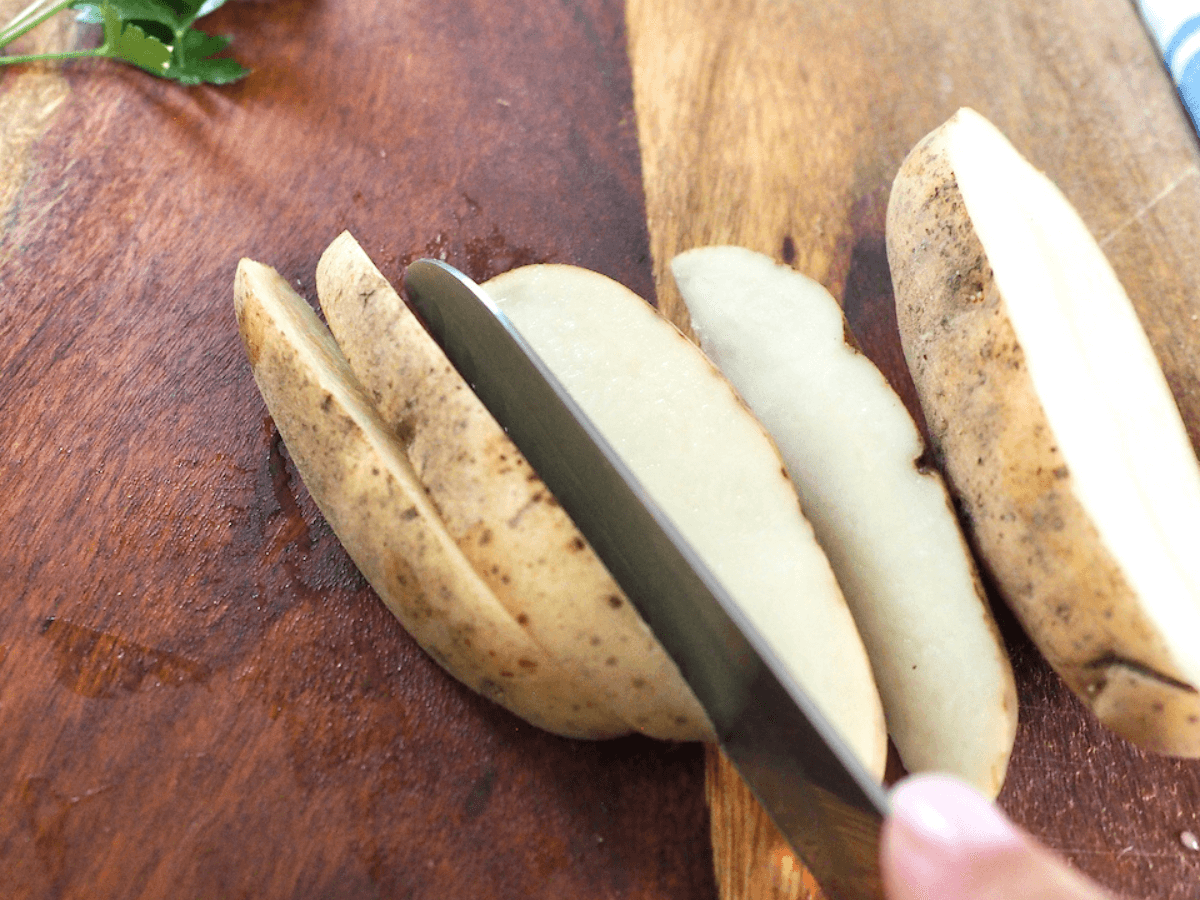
(779, 126)
(199, 696)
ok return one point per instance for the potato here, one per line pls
(506, 524)
(883, 518)
(356, 472)
(696, 449)
(1055, 426)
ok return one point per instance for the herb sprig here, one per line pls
(155, 35)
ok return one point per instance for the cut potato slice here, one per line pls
(691, 442)
(359, 477)
(507, 525)
(884, 520)
(1056, 427)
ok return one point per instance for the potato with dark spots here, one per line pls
(480, 484)
(1056, 428)
(367, 490)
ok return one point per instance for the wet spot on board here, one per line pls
(99, 665)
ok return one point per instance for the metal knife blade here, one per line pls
(821, 798)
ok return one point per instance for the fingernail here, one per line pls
(943, 810)
(940, 834)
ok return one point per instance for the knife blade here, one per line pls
(807, 779)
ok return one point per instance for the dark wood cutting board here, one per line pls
(199, 696)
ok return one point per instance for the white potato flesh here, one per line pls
(690, 441)
(884, 521)
(1099, 383)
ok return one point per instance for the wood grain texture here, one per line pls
(779, 125)
(199, 695)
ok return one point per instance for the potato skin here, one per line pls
(367, 491)
(991, 437)
(507, 524)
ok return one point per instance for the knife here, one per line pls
(807, 779)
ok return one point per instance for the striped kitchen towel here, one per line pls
(1175, 24)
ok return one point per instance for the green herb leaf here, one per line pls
(126, 41)
(155, 35)
(193, 61)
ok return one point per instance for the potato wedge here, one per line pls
(507, 525)
(884, 520)
(358, 475)
(694, 446)
(1055, 426)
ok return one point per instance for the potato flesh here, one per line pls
(359, 478)
(1098, 380)
(690, 441)
(507, 524)
(886, 525)
(1054, 426)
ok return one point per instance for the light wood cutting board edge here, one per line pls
(779, 126)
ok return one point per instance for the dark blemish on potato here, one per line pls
(577, 543)
(526, 664)
(405, 431)
(409, 514)
(615, 602)
(681, 720)
(638, 682)
(1109, 660)
(522, 619)
(327, 403)
(506, 674)
(595, 641)
(1060, 473)
(788, 250)
(485, 538)
(611, 661)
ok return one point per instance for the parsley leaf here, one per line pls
(156, 35)
(126, 41)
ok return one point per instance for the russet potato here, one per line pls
(1055, 426)
(357, 473)
(506, 523)
(690, 441)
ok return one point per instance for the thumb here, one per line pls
(944, 841)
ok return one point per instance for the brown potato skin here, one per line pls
(991, 437)
(507, 524)
(373, 501)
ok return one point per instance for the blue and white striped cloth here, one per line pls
(1175, 24)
